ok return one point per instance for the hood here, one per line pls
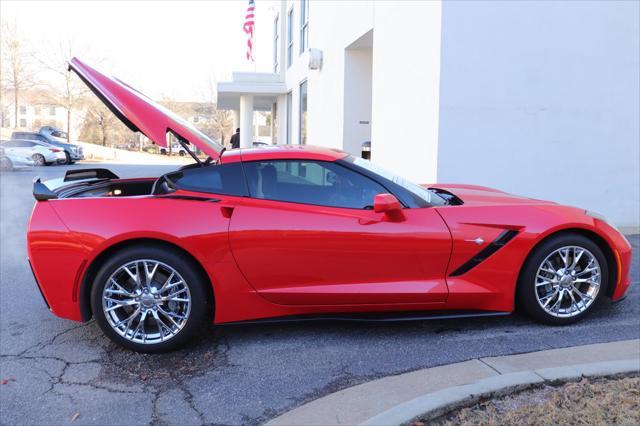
(482, 195)
(141, 114)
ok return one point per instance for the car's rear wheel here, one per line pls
(563, 279)
(149, 299)
(5, 164)
(39, 160)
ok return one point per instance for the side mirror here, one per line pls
(390, 206)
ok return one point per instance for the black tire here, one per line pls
(526, 297)
(67, 160)
(200, 309)
(163, 151)
(39, 160)
(5, 164)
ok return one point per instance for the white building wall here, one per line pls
(358, 67)
(333, 26)
(406, 75)
(542, 99)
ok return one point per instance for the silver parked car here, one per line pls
(10, 162)
(41, 153)
(56, 137)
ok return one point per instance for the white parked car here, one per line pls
(41, 153)
(13, 162)
(176, 148)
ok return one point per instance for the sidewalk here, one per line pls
(396, 399)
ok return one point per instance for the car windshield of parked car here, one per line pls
(59, 134)
(430, 197)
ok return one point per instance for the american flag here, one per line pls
(249, 22)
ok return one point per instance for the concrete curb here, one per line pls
(435, 404)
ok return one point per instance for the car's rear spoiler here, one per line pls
(42, 192)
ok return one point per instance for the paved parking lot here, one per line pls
(57, 372)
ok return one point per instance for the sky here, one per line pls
(176, 49)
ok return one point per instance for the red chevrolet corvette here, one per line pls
(295, 232)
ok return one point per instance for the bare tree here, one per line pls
(16, 71)
(68, 91)
(101, 126)
(221, 121)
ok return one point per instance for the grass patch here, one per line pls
(614, 401)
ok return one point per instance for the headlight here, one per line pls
(600, 217)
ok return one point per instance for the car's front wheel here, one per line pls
(149, 299)
(563, 279)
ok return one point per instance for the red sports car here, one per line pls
(295, 232)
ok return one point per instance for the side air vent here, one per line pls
(503, 238)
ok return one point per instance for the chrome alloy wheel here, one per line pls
(568, 281)
(146, 301)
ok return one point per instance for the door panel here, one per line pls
(298, 254)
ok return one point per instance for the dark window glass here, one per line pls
(225, 179)
(311, 182)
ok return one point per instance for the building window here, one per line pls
(276, 44)
(23, 109)
(52, 110)
(304, 25)
(289, 115)
(289, 37)
(23, 122)
(303, 113)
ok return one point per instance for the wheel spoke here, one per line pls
(120, 303)
(149, 274)
(166, 283)
(587, 271)
(565, 257)
(135, 277)
(576, 258)
(169, 316)
(120, 288)
(546, 282)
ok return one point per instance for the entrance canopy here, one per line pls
(263, 87)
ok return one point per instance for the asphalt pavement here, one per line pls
(55, 371)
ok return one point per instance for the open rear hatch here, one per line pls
(141, 114)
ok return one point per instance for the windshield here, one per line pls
(418, 191)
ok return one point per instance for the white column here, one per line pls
(246, 121)
(282, 120)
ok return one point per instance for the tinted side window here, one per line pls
(311, 182)
(225, 179)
